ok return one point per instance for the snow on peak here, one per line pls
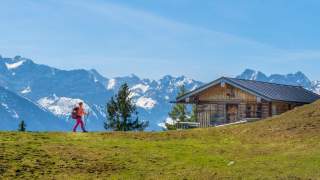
(111, 84)
(133, 94)
(316, 86)
(167, 121)
(60, 106)
(254, 75)
(14, 65)
(170, 121)
(184, 81)
(27, 90)
(13, 113)
(146, 103)
(5, 105)
(142, 87)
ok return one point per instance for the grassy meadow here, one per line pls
(283, 147)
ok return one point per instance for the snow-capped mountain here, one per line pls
(297, 78)
(153, 97)
(37, 82)
(54, 92)
(253, 75)
(58, 91)
(14, 108)
(60, 106)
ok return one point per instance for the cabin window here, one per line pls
(210, 114)
(254, 110)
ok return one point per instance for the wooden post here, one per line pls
(270, 109)
(196, 113)
(242, 110)
(265, 110)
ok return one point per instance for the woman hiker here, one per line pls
(77, 114)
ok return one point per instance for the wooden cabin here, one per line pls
(229, 100)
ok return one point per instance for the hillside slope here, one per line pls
(283, 147)
(14, 108)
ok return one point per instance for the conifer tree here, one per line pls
(193, 116)
(179, 111)
(22, 126)
(122, 114)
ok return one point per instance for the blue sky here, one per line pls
(202, 39)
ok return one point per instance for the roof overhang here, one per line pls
(182, 99)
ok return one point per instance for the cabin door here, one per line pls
(232, 112)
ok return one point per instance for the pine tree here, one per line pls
(179, 111)
(193, 117)
(122, 114)
(22, 126)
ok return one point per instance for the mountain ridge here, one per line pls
(49, 86)
(56, 90)
(297, 79)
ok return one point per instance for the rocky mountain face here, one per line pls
(39, 83)
(153, 97)
(57, 91)
(297, 78)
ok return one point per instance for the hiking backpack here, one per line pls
(74, 113)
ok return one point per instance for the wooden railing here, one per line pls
(187, 125)
(220, 119)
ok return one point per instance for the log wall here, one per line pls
(213, 103)
(228, 92)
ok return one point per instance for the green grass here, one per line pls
(284, 147)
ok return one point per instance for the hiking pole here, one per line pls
(86, 117)
(69, 118)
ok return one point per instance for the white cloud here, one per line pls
(166, 37)
(151, 40)
(119, 39)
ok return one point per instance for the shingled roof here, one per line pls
(265, 90)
